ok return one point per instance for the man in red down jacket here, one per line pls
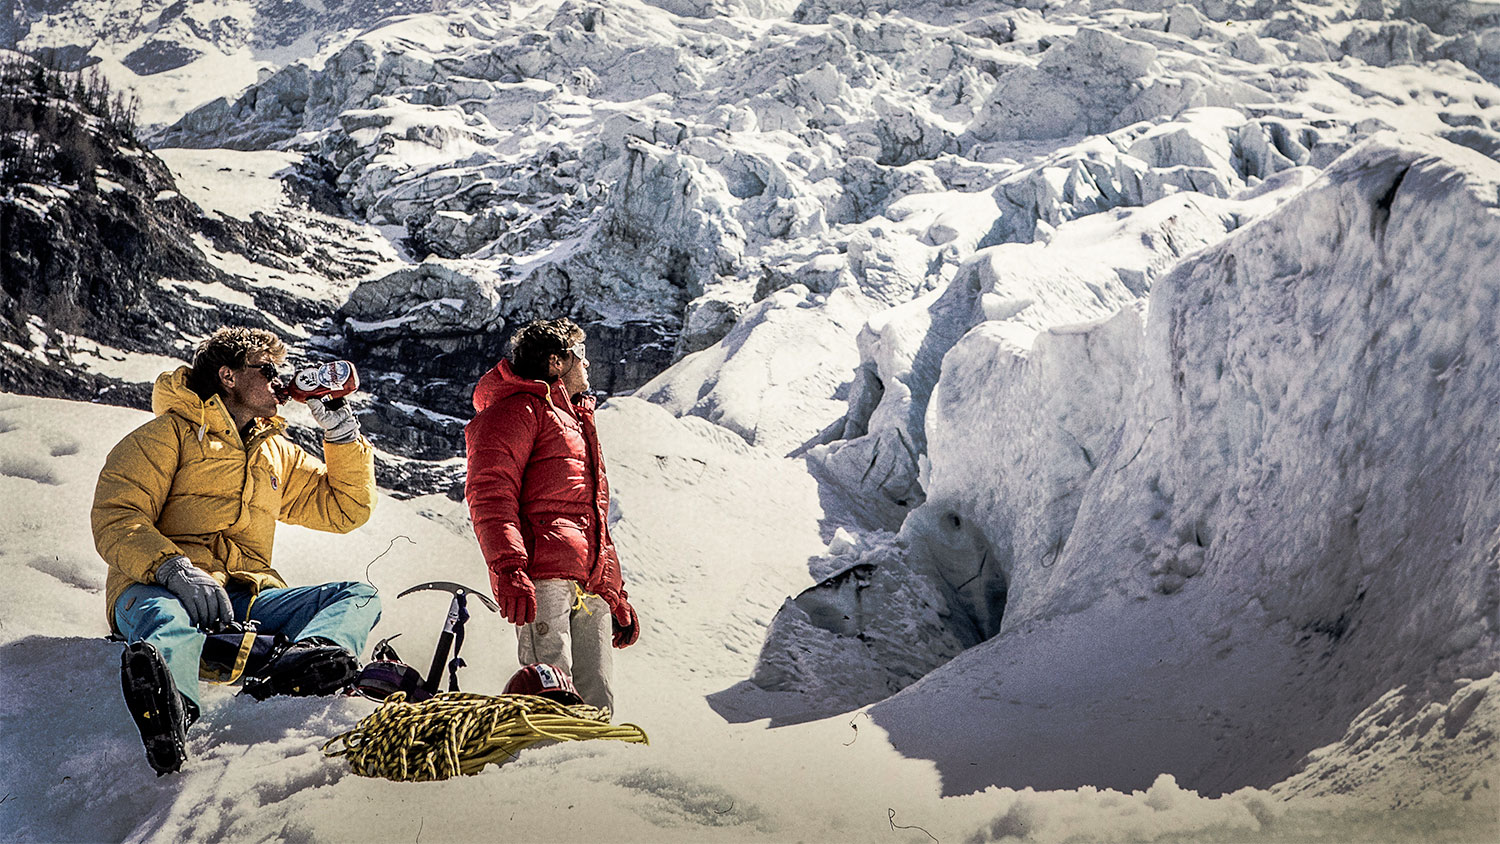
(540, 505)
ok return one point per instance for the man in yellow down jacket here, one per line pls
(185, 515)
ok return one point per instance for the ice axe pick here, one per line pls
(453, 630)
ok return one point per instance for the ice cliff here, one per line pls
(1277, 476)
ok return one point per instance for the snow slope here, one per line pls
(708, 554)
(75, 770)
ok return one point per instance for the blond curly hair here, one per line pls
(229, 346)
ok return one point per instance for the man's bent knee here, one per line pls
(356, 589)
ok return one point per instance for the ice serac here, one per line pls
(151, 37)
(1295, 505)
(662, 166)
(1089, 269)
(979, 415)
(1079, 86)
(795, 348)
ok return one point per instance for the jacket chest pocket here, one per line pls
(558, 538)
(558, 524)
(264, 486)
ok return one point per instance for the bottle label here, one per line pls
(325, 377)
(333, 379)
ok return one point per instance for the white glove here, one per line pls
(206, 601)
(339, 426)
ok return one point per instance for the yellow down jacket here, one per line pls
(185, 483)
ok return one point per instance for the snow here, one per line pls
(362, 325)
(132, 367)
(236, 184)
(168, 95)
(199, 290)
(774, 380)
(705, 594)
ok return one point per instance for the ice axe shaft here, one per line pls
(453, 625)
(456, 612)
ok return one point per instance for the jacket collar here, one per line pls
(502, 382)
(171, 394)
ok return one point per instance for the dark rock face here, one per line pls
(438, 373)
(88, 223)
(69, 57)
(157, 56)
(623, 357)
(425, 335)
(15, 24)
(94, 237)
(422, 380)
(92, 265)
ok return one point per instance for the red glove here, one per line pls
(627, 628)
(515, 595)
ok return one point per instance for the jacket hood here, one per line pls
(503, 382)
(171, 394)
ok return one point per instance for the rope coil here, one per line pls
(459, 733)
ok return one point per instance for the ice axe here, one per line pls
(453, 630)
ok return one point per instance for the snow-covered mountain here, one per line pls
(1110, 383)
(655, 171)
(186, 53)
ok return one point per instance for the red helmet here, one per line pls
(544, 680)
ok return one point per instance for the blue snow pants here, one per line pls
(342, 612)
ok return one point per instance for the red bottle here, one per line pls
(326, 381)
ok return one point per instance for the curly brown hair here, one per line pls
(537, 341)
(229, 346)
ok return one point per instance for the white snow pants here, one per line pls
(575, 640)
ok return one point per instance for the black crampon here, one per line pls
(312, 666)
(160, 712)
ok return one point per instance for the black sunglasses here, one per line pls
(268, 370)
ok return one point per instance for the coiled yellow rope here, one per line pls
(459, 733)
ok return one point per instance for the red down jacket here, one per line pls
(536, 487)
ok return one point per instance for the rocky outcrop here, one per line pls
(435, 328)
(90, 223)
(98, 247)
(150, 36)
